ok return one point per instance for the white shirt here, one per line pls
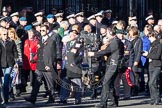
(44, 38)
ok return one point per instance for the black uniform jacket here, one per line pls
(128, 53)
(155, 54)
(115, 52)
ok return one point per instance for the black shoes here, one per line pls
(47, 93)
(94, 96)
(154, 102)
(18, 94)
(23, 90)
(51, 99)
(126, 98)
(63, 101)
(151, 102)
(29, 99)
(100, 106)
(77, 102)
(113, 104)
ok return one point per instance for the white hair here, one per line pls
(64, 24)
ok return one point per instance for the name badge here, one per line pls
(77, 45)
(126, 52)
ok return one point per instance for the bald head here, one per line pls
(160, 24)
(157, 28)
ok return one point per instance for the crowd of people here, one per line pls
(71, 53)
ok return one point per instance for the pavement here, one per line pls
(140, 101)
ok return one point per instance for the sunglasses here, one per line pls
(42, 30)
(74, 31)
(152, 34)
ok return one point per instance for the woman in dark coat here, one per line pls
(137, 46)
(9, 55)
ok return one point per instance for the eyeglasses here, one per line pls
(74, 31)
(42, 30)
(152, 34)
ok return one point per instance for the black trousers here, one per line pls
(26, 74)
(154, 73)
(160, 83)
(38, 81)
(108, 90)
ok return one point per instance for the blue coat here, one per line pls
(146, 47)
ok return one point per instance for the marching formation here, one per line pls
(73, 54)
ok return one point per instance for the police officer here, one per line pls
(59, 18)
(71, 20)
(99, 17)
(4, 12)
(92, 23)
(39, 17)
(80, 19)
(127, 63)
(14, 20)
(115, 52)
(4, 21)
(107, 20)
(150, 20)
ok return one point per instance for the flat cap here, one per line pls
(27, 27)
(79, 14)
(36, 23)
(104, 26)
(132, 18)
(59, 14)
(14, 14)
(70, 16)
(108, 11)
(50, 16)
(3, 18)
(38, 14)
(53, 9)
(149, 17)
(99, 14)
(115, 22)
(22, 19)
(91, 17)
(4, 9)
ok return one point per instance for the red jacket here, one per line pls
(29, 46)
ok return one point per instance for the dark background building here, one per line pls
(120, 8)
